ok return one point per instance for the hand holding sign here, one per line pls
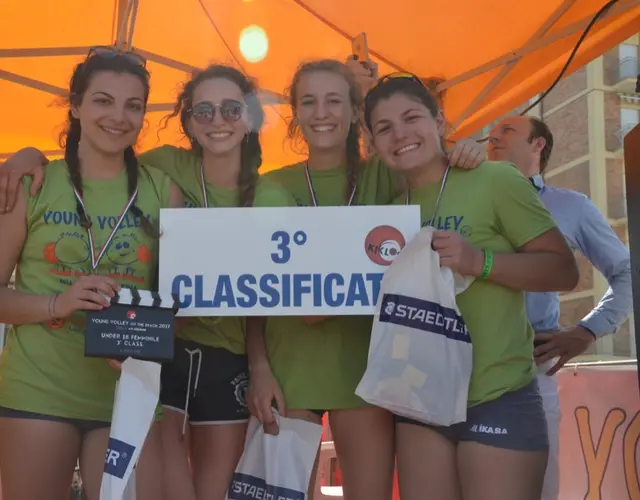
(87, 293)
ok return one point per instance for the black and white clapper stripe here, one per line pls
(146, 298)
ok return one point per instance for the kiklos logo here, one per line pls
(383, 244)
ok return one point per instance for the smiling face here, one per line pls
(511, 141)
(111, 111)
(405, 133)
(323, 109)
(219, 119)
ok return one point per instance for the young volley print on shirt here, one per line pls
(89, 230)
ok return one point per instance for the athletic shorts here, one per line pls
(81, 425)
(514, 421)
(207, 384)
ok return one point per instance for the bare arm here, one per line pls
(176, 198)
(256, 345)
(16, 307)
(26, 162)
(522, 270)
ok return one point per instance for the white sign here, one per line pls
(280, 261)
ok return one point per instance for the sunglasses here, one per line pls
(230, 110)
(395, 76)
(108, 52)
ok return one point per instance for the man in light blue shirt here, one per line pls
(527, 142)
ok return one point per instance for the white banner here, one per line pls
(280, 261)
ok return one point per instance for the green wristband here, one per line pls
(488, 264)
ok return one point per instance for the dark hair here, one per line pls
(355, 96)
(70, 138)
(411, 87)
(541, 129)
(251, 151)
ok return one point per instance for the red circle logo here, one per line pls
(131, 315)
(383, 244)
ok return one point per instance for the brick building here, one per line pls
(589, 112)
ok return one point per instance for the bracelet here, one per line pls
(52, 306)
(488, 264)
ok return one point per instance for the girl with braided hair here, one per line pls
(204, 386)
(90, 229)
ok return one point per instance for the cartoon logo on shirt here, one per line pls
(383, 244)
(125, 249)
(71, 249)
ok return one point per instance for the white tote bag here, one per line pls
(276, 467)
(134, 411)
(420, 355)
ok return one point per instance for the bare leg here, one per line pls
(37, 458)
(490, 473)
(178, 480)
(364, 441)
(149, 469)
(426, 463)
(309, 416)
(215, 452)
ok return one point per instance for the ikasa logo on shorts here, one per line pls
(383, 244)
(118, 456)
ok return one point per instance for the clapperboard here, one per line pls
(138, 324)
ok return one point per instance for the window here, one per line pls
(629, 118)
(628, 57)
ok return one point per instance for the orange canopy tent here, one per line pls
(492, 54)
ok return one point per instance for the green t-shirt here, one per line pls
(319, 366)
(494, 206)
(227, 332)
(43, 368)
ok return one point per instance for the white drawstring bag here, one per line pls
(134, 411)
(276, 467)
(420, 355)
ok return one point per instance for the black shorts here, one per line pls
(514, 421)
(81, 425)
(215, 380)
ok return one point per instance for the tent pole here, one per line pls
(123, 14)
(549, 23)
(620, 8)
(632, 179)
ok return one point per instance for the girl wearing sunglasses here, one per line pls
(508, 242)
(205, 385)
(55, 403)
(311, 366)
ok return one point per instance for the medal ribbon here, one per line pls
(312, 191)
(95, 259)
(435, 210)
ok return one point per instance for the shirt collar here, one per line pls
(537, 182)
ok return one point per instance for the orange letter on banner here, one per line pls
(631, 467)
(596, 457)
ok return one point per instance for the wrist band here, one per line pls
(488, 264)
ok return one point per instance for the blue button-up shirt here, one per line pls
(586, 230)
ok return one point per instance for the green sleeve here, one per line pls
(520, 213)
(165, 158)
(271, 194)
